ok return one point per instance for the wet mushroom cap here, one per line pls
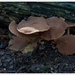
(57, 28)
(66, 44)
(33, 25)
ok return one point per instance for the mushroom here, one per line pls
(70, 24)
(57, 28)
(13, 29)
(66, 44)
(18, 43)
(22, 40)
(37, 27)
(33, 25)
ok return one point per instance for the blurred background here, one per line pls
(22, 10)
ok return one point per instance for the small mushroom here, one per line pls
(66, 44)
(70, 24)
(57, 28)
(33, 25)
(17, 43)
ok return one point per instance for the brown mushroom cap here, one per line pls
(57, 28)
(66, 44)
(33, 25)
(17, 43)
(13, 29)
(70, 24)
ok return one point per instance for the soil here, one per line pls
(44, 59)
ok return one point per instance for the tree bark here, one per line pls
(22, 10)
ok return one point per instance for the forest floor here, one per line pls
(44, 59)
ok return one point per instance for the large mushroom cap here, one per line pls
(33, 25)
(13, 29)
(66, 44)
(57, 28)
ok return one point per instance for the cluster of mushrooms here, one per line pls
(36, 28)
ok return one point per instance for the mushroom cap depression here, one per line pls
(57, 28)
(66, 44)
(33, 25)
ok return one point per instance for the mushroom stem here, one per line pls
(68, 30)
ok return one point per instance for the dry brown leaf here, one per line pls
(30, 47)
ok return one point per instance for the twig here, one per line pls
(20, 69)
